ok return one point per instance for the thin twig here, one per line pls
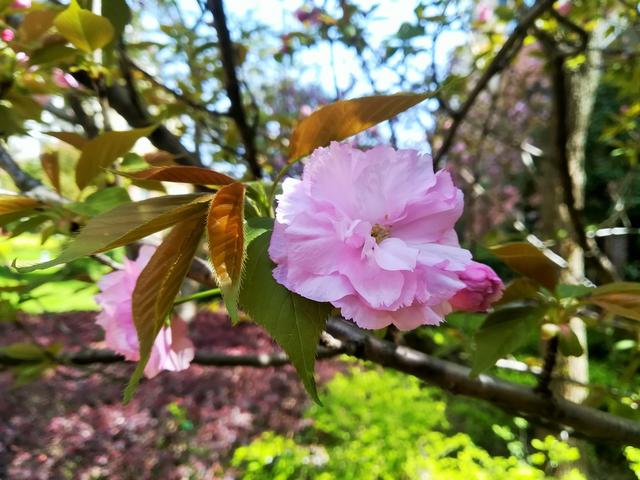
(500, 61)
(237, 111)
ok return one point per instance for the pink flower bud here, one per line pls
(482, 288)
(64, 80)
(7, 35)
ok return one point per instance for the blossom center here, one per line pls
(379, 233)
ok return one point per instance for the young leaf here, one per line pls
(620, 298)
(51, 167)
(100, 202)
(128, 223)
(83, 28)
(74, 139)
(16, 203)
(226, 242)
(293, 321)
(569, 343)
(524, 258)
(344, 118)
(502, 332)
(180, 174)
(35, 24)
(521, 288)
(157, 287)
(102, 151)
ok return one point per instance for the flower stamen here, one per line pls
(379, 233)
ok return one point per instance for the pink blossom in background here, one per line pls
(172, 349)
(63, 79)
(484, 12)
(21, 4)
(482, 288)
(372, 233)
(564, 7)
(7, 35)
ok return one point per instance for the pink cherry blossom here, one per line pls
(21, 4)
(564, 7)
(484, 12)
(482, 288)
(64, 80)
(172, 349)
(7, 35)
(372, 233)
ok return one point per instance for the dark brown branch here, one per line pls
(550, 358)
(512, 398)
(26, 183)
(175, 93)
(237, 112)
(85, 121)
(137, 116)
(213, 359)
(499, 62)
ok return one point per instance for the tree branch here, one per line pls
(212, 359)
(237, 112)
(26, 183)
(131, 109)
(512, 398)
(499, 62)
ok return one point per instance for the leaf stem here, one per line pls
(214, 292)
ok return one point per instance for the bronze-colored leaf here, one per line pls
(344, 118)
(16, 203)
(74, 139)
(226, 242)
(180, 174)
(527, 260)
(100, 152)
(158, 285)
(51, 167)
(128, 223)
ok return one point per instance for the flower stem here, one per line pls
(214, 292)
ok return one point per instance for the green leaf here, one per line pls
(23, 351)
(254, 227)
(83, 28)
(502, 332)
(128, 223)
(118, 13)
(568, 343)
(344, 118)
(225, 228)
(55, 53)
(519, 289)
(572, 291)
(157, 287)
(619, 298)
(293, 321)
(100, 152)
(101, 201)
(527, 260)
